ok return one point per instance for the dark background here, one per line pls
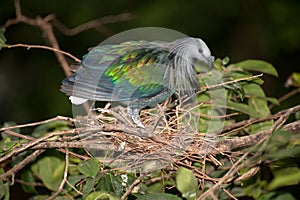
(30, 80)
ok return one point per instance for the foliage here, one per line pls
(244, 95)
(268, 170)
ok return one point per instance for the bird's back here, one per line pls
(130, 71)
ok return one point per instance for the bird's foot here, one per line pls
(135, 116)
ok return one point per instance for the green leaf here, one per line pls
(240, 107)
(297, 115)
(187, 183)
(6, 145)
(255, 189)
(50, 170)
(89, 186)
(296, 77)
(4, 188)
(101, 195)
(257, 100)
(257, 65)
(40, 197)
(158, 196)
(89, 167)
(28, 177)
(272, 100)
(225, 60)
(73, 180)
(285, 177)
(2, 38)
(293, 80)
(258, 106)
(276, 196)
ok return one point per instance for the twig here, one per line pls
(235, 167)
(38, 123)
(231, 172)
(130, 188)
(286, 96)
(45, 26)
(47, 29)
(29, 183)
(28, 46)
(228, 145)
(249, 122)
(61, 186)
(12, 133)
(74, 188)
(31, 144)
(228, 82)
(21, 164)
(93, 24)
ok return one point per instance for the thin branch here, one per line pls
(286, 96)
(15, 134)
(204, 88)
(21, 165)
(46, 27)
(93, 24)
(74, 188)
(34, 184)
(249, 122)
(63, 182)
(28, 46)
(31, 144)
(228, 145)
(130, 188)
(231, 172)
(38, 123)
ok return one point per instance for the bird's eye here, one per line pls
(200, 50)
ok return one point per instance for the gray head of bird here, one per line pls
(188, 52)
(192, 50)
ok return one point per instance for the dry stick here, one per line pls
(61, 186)
(38, 123)
(286, 96)
(48, 145)
(31, 144)
(235, 168)
(21, 164)
(91, 24)
(74, 188)
(204, 88)
(279, 123)
(225, 145)
(203, 176)
(232, 170)
(249, 122)
(221, 146)
(46, 27)
(29, 46)
(15, 134)
(34, 184)
(130, 188)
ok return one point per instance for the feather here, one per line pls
(140, 73)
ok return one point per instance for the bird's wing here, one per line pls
(128, 71)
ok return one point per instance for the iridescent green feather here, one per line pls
(135, 66)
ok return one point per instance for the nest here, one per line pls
(172, 132)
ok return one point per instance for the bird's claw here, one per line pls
(135, 116)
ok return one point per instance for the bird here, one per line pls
(138, 73)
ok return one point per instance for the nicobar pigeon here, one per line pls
(138, 73)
